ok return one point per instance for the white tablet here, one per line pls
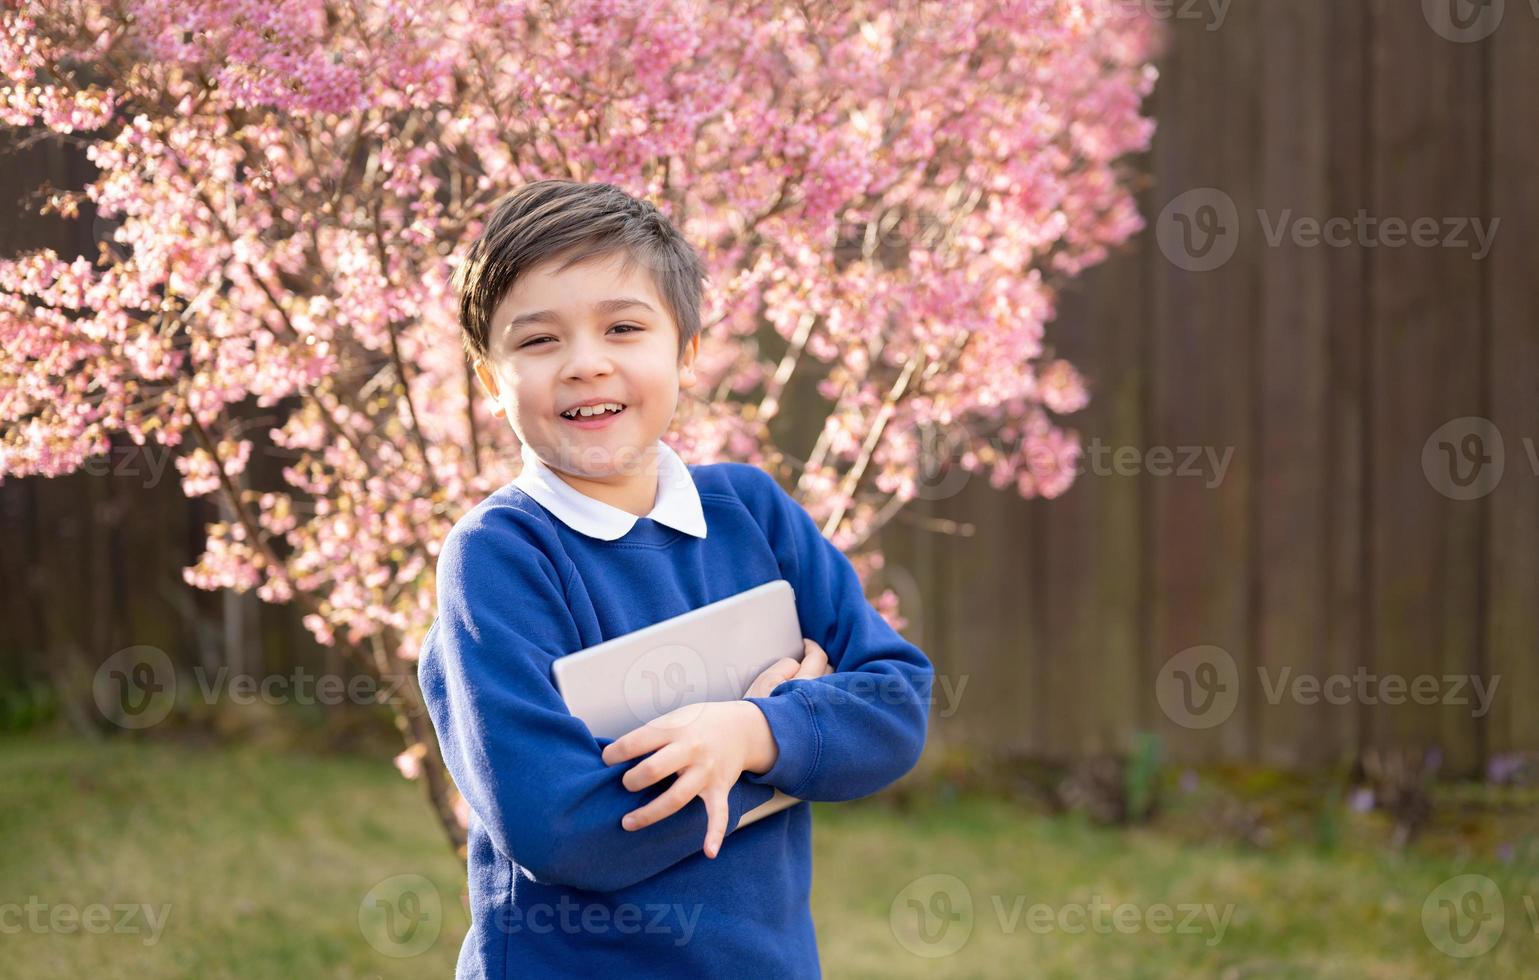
(707, 654)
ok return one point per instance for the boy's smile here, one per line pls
(566, 350)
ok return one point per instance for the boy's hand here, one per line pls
(814, 663)
(708, 744)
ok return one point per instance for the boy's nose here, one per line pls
(587, 361)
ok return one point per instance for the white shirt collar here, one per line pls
(678, 500)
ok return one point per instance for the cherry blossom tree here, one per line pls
(886, 193)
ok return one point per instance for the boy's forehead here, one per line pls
(546, 292)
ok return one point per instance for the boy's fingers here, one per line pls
(716, 823)
(771, 677)
(660, 764)
(828, 668)
(814, 661)
(639, 741)
(672, 801)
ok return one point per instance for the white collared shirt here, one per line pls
(677, 506)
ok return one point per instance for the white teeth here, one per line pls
(586, 411)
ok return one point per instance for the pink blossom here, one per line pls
(409, 762)
(283, 191)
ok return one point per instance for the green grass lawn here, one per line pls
(261, 861)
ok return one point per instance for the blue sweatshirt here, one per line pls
(557, 887)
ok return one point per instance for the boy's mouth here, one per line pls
(593, 416)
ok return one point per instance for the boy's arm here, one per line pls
(852, 732)
(530, 771)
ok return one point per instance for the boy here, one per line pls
(580, 308)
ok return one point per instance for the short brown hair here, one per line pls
(549, 218)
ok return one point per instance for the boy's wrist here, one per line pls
(760, 751)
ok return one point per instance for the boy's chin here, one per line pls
(606, 462)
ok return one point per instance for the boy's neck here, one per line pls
(634, 492)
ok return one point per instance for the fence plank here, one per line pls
(1201, 369)
(1512, 530)
(1090, 541)
(1347, 327)
(1290, 492)
(1425, 369)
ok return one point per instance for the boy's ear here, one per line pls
(687, 362)
(488, 379)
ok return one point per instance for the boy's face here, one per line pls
(554, 343)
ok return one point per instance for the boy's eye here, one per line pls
(535, 340)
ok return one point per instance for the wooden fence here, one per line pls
(1269, 474)
(1326, 366)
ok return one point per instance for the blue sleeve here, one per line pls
(857, 730)
(531, 772)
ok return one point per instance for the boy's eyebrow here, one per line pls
(602, 307)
